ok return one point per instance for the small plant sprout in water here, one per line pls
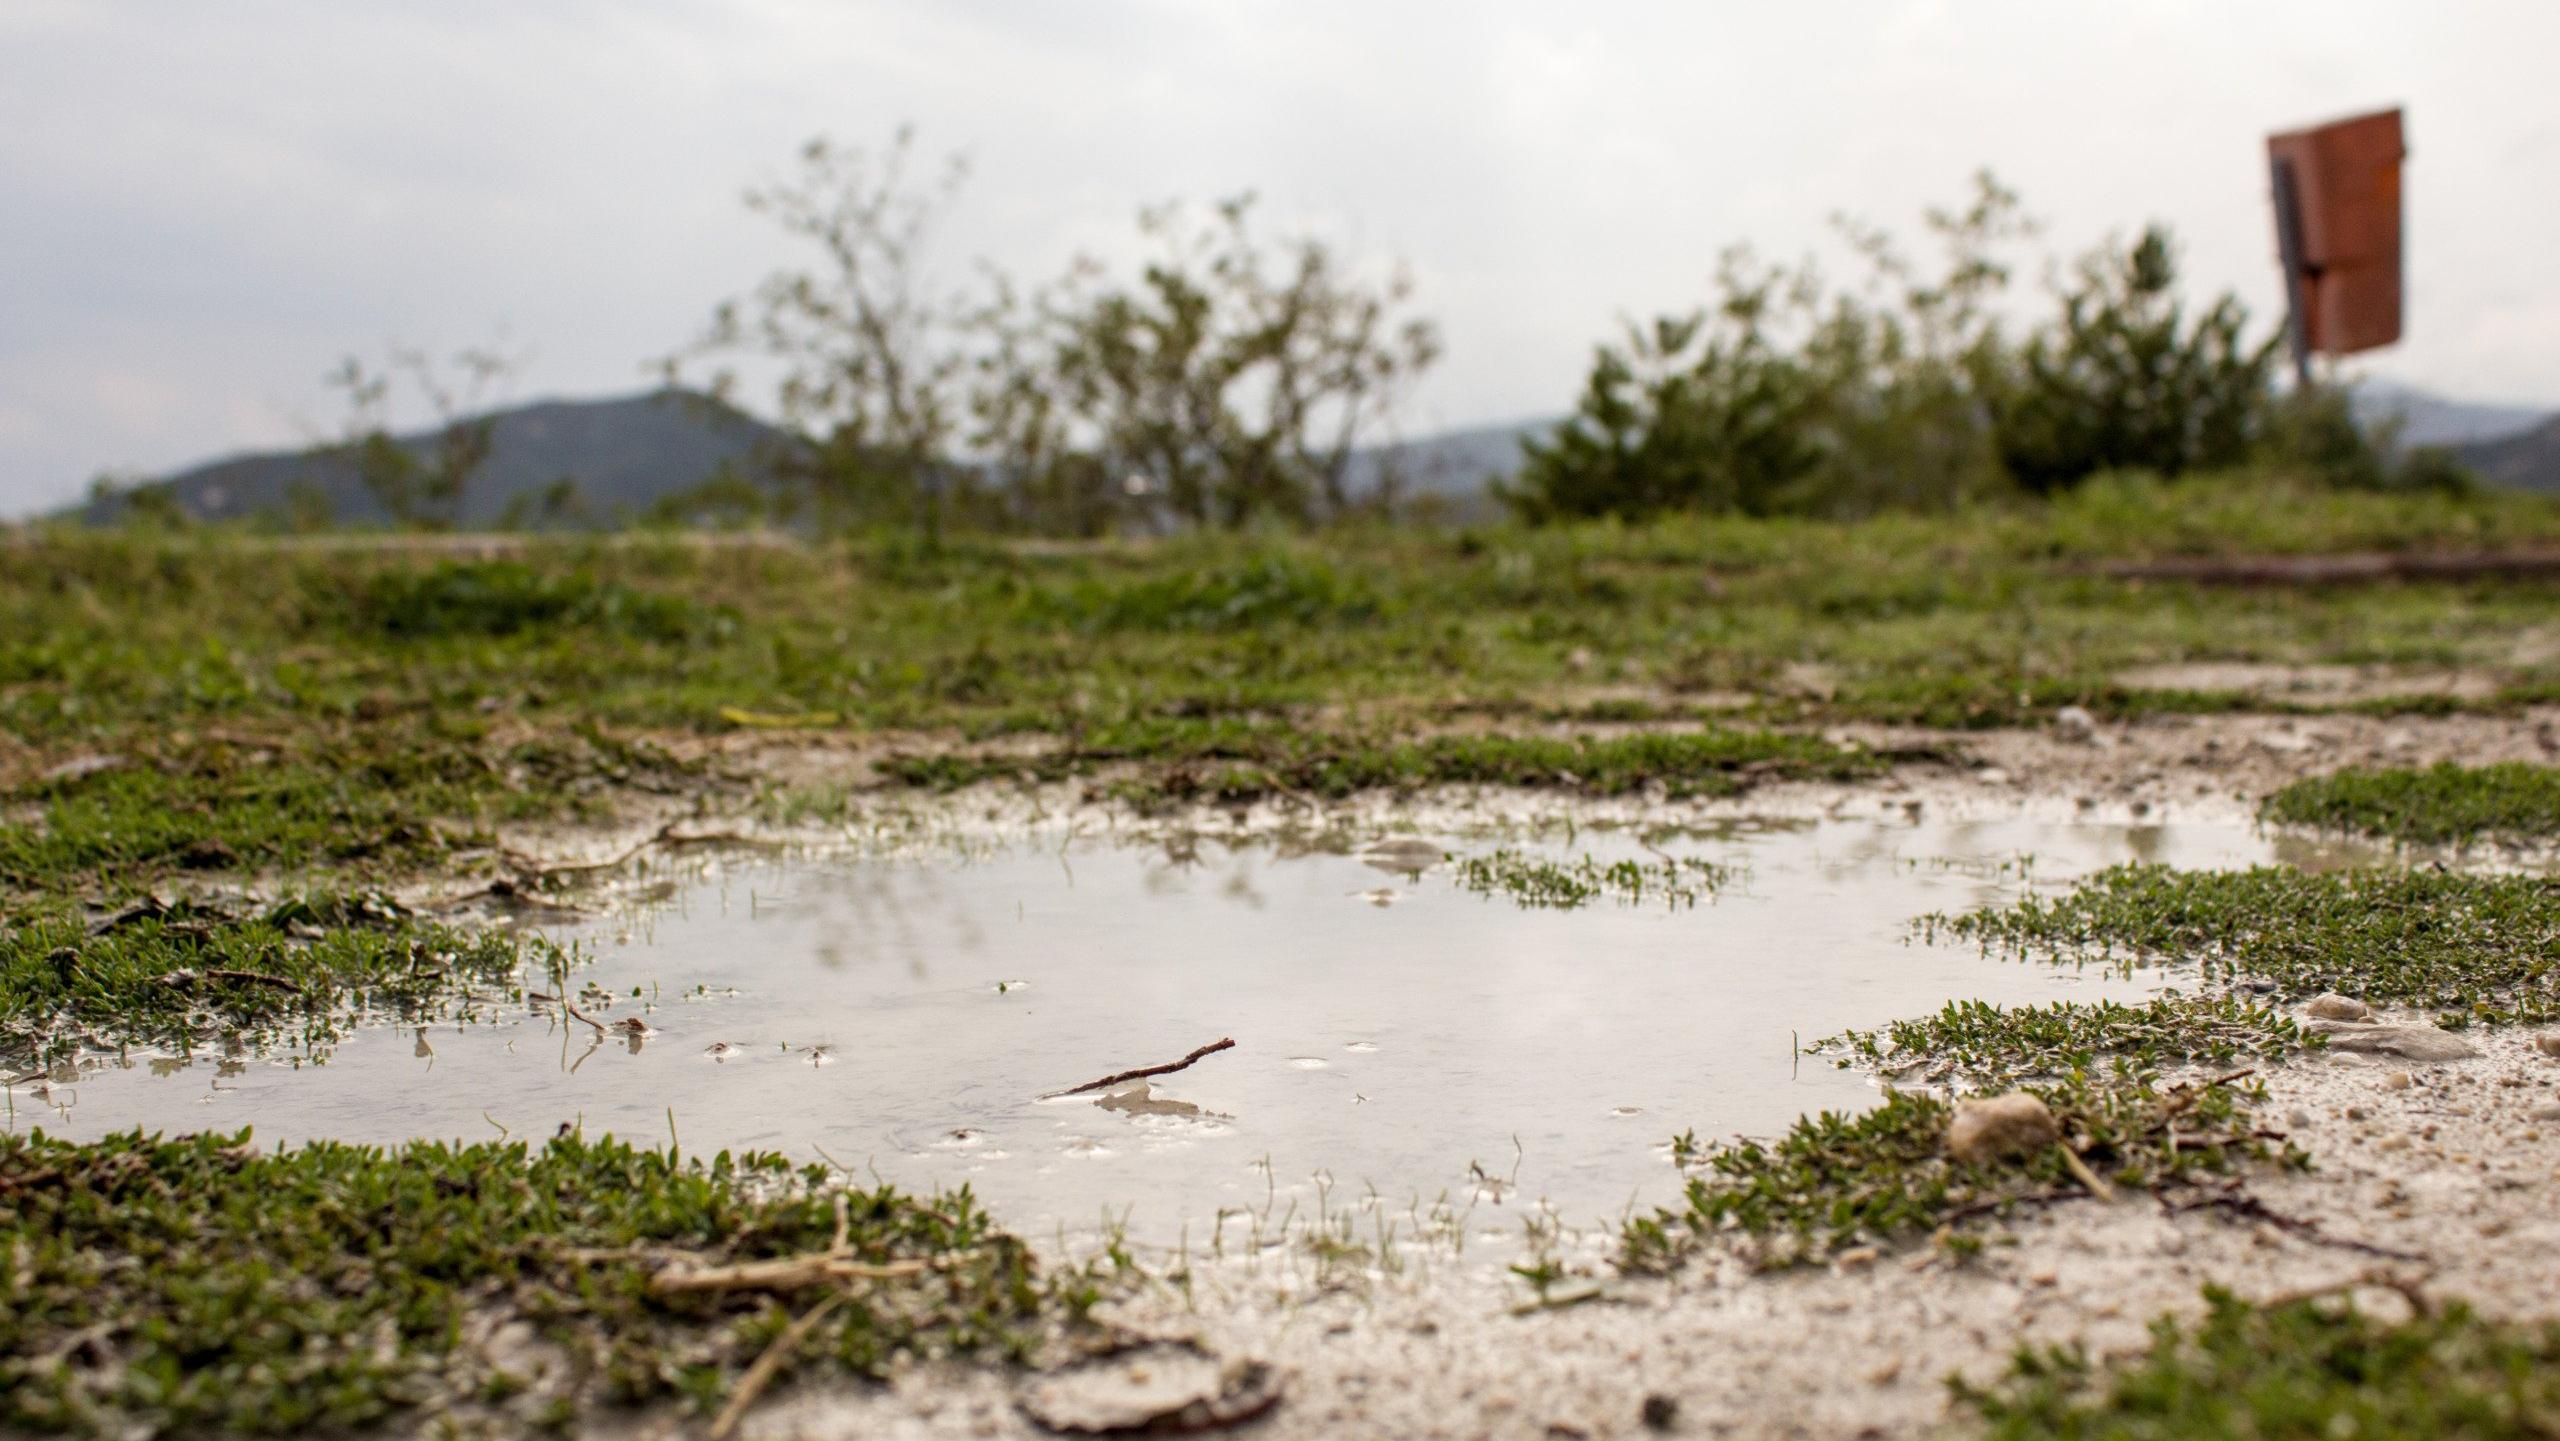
(1535, 883)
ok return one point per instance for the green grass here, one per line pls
(1536, 883)
(2444, 804)
(2299, 1370)
(288, 704)
(1884, 1176)
(1979, 1043)
(2469, 948)
(381, 797)
(1238, 760)
(197, 1286)
(195, 973)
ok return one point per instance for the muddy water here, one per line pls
(1393, 1033)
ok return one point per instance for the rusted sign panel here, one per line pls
(2341, 183)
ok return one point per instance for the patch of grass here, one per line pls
(1883, 1176)
(1537, 883)
(2482, 948)
(1255, 590)
(1985, 1044)
(189, 973)
(2445, 804)
(2300, 1370)
(387, 795)
(1238, 761)
(490, 598)
(196, 1286)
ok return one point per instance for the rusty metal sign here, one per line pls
(2337, 200)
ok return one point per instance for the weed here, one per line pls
(1985, 1044)
(2468, 947)
(198, 1286)
(181, 974)
(2444, 804)
(2310, 1368)
(1834, 1181)
(1531, 882)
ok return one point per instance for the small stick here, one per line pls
(1143, 1072)
(572, 1008)
(2080, 1172)
(788, 1273)
(565, 1004)
(761, 1374)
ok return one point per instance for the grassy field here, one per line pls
(211, 702)
(198, 713)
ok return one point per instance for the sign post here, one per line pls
(2337, 204)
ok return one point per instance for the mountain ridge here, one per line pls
(629, 456)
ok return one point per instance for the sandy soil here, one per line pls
(2455, 1170)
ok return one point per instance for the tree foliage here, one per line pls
(1905, 391)
(1228, 380)
(420, 486)
(2125, 379)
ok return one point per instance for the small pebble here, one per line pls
(1660, 1412)
(2548, 1043)
(2547, 1111)
(2297, 1118)
(2396, 1081)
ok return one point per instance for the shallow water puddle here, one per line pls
(1393, 1032)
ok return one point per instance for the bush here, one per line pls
(1787, 397)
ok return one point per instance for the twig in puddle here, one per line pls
(768, 1365)
(1142, 1072)
(563, 1001)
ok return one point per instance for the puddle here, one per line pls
(901, 1017)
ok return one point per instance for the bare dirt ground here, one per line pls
(2453, 1170)
(2435, 1179)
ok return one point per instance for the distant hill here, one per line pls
(624, 456)
(627, 454)
(1454, 471)
(2429, 419)
(2530, 461)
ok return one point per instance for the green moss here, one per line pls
(2444, 804)
(197, 1286)
(180, 975)
(1534, 882)
(1883, 1176)
(1983, 1044)
(2467, 947)
(2300, 1370)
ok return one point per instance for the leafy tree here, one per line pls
(420, 486)
(2125, 379)
(873, 362)
(1231, 380)
(1787, 396)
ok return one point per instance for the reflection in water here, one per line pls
(900, 1016)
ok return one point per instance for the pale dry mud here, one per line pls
(2453, 1174)
(2448, 1182)
(2443, 1177)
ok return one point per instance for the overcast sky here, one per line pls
(202, 205)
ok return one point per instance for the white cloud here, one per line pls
(208, 203)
